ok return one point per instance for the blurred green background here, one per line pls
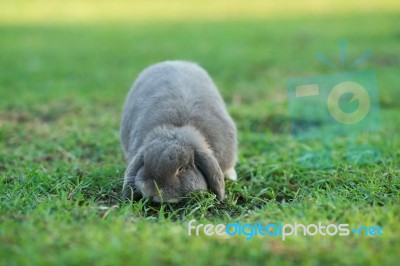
(65, 69)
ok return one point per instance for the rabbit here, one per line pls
(176, 134)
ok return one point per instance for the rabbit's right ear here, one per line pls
(209, 166)
(129, 190)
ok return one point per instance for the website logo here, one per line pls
(281, 230)
(339, 107)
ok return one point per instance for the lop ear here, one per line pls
(209, 166)
(129, 190)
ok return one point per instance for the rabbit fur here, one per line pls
(176, 134)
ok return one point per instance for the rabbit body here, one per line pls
(176, 134)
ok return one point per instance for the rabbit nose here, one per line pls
(144, 188)
(156, 198)
(149, 189)
(161, 199)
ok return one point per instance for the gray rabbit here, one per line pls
(176, 134)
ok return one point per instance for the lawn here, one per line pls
(62, 86)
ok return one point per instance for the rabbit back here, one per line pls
(178, 93)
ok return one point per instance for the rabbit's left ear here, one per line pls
(209, 166)
(129, 190)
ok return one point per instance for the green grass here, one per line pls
(61, 166)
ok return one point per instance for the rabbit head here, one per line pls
(172, 163)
